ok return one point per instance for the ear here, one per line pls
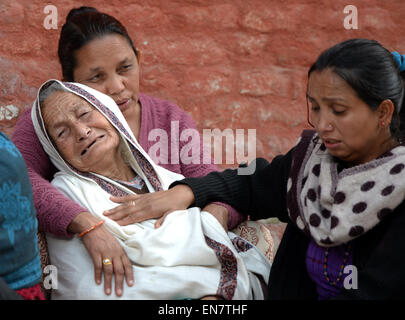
(385, 111)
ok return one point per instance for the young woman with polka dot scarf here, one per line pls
(340, 188)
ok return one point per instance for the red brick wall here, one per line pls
(238, 64)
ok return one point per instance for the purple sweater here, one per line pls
(55, 211)
(315, 266)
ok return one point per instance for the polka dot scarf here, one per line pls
(335, 207)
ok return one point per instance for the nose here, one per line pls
(115, 85)
(82, 132)
(323, 122)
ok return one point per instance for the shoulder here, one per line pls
(75, 188)
(164, 109)
(24, 122)
(307, 136)
(24, 135)
(67, 181)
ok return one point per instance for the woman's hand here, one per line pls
(156, 205)
(101, 244)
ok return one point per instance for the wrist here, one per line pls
(98, 224)
(83, 221)
(185, 194)
(217, 208)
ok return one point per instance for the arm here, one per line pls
(261, 194)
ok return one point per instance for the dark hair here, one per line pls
(371, 71)
(83, 25)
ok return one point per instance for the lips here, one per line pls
(123, 103)
(331, 143)
(84, 151)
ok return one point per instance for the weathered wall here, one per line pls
(238, 64)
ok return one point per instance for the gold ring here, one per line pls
(107, 262)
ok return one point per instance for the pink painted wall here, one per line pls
(238, 64)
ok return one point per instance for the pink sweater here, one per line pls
(55, 211)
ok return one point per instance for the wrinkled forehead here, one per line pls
(59, 95)
(63, 100)
(60, 105)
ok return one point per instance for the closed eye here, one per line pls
(85, 114)
(61, 133)
(338, 110)
(95, 78)
(125, 67)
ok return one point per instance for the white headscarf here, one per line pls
(189, 256)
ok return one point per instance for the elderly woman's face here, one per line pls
(83, 136)
(348, 127)
(108, 64)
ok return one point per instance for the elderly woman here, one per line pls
(341, 188)
(89, 141)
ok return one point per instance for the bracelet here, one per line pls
(91, 228)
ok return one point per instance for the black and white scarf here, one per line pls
(335, 207)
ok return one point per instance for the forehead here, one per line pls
(327, 83)
(104, 50)
(63, 101)
(60, 105)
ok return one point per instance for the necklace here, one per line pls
(136, 182)
(325, 265)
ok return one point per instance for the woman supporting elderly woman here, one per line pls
(189, 256)
(96, 50)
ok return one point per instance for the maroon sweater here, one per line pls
(55, 211)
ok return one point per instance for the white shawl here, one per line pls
(189, 256)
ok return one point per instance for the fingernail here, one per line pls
(108, 291)
(119, 292)
(131, 283)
